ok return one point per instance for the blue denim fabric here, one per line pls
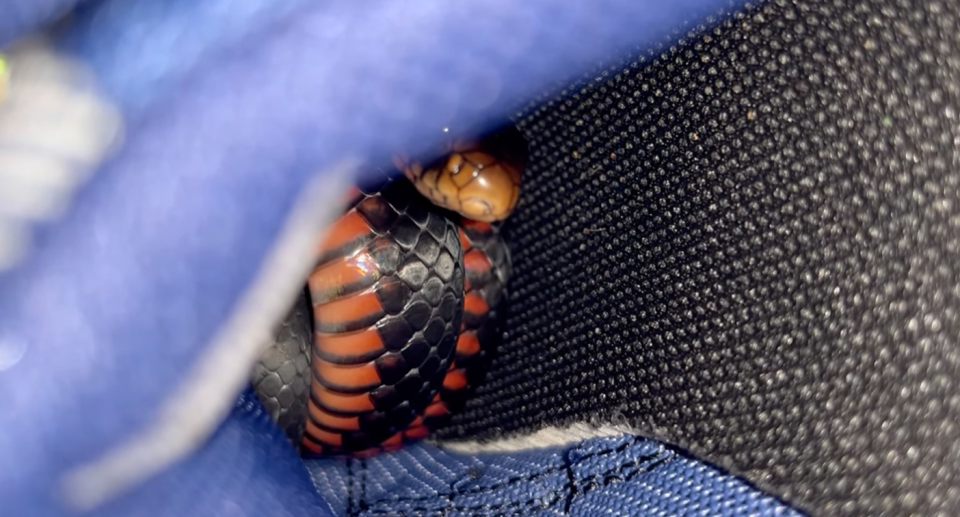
(228, 117)
(612, 476)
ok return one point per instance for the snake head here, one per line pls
(479, 179)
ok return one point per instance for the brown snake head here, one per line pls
(477, 179)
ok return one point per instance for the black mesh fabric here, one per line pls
(747, 244)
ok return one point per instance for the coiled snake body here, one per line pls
(400, 313)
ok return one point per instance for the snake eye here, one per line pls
(479, 180)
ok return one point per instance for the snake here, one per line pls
(400, 316)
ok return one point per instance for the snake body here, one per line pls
(401, 306)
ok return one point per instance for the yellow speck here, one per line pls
(4, 77)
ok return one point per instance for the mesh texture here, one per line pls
(745, 244)
(621, 476)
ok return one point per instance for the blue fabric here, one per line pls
(616, 476)
(231, 108)
(248, 468)
(22, 16)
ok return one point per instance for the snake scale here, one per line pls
(400, 315)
